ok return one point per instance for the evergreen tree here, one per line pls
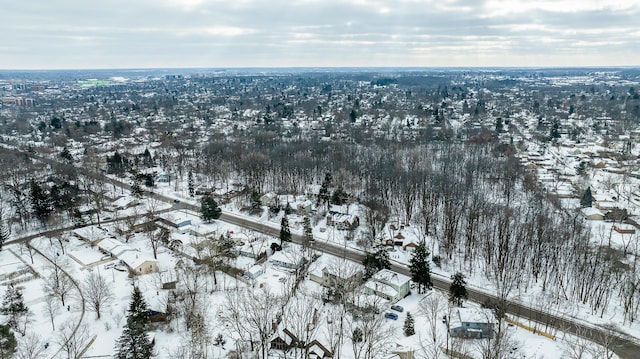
(409, 328)
(147, 160)
(4, 232)
(116, 163)
(136, 190)
(66, 155)
(323, 195)
(420, 269)
(285, 232)
(288, 209)
(581, 169)
(458, 289)
(308, 231)
(555, 130)
(499, 125)
(138, 311)
(192, 189)
(587, 198)
(8, 342)
(209, 209)
(13, 306)
(40, 201)
(357, 335)
(256, 204)
(339, 197)
(373, 262)
(134, 342)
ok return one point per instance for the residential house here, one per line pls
(268, 199)
(388, 285)
(177, 219)
(342, 221)
(287, 260)
(91, 234)
(136, 261)
(474, 323)
(592, 214)
(254, 271)
(305, 207)
(318, 351)
(284, 340)
(124, 203)
(328, 270)
(409, 247)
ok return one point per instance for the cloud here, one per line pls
(217, 33)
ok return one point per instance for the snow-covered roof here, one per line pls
(389, 277)
(114, 246)
(475, 315)
(378, 287)
(590, 211)
(91, 233)
(134, 259)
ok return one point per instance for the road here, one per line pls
(625, 346)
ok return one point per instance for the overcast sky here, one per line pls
(279, 33)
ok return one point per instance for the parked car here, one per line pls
(393, 316)
(397, 308)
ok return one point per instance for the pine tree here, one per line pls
(285, 232)
(138, 311)
(409, 328)
(40, 201)
(581, 168)
(420, 269)
(8, 342)
(136, 190)
(308, 231)
(458, 289)
(587, 198)
(66, 155)
(134, 342)
(255, 202)
(209, 209)
(4, 232)
(323, 195)
(192, 189)
(13, 305)
(373, 262)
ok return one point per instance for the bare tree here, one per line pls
(51, 308)
(97, 292)
(30, 346)
(370, 335)
(301, 317)
(193, 286)
(57, 282)
(500, 346)
(71, 340)
(251, 315)
(431, 307)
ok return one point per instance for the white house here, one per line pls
(388, 285)
(592, 214)
(137, 261)
(287, 260)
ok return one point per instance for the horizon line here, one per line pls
(512, 67)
